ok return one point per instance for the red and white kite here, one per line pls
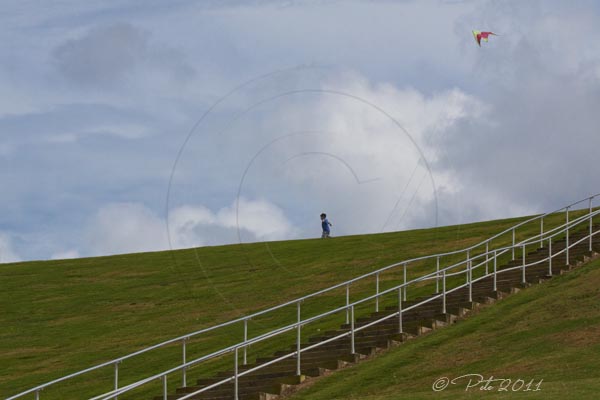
(482, 35)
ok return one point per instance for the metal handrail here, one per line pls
(434, 275)
(235, 348)
(503, 250)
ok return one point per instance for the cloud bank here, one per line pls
(99, 99)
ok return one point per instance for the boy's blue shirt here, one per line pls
(325, 225)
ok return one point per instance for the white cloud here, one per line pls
(403, 193)
(7, 253)
(248, 221)
(265, 221)
(132, 227)
(124, 131)
(125, 228)
(63, 255)
(330, 152)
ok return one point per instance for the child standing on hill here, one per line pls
(325, 225)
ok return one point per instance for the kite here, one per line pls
(482, 35)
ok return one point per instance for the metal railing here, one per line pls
(440, 275)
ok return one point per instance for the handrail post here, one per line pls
(400, 310)
(347, 303)
(495, 269)
(116, 379)
(298, 338)
(513, 243)
(245, 340)
(523, 268)
(37, 395)
(550, 256)
(405, 287)
(184, 371)
(444, 291)
(235, 376)
(542, 232)
(567, 238)
(164, 379)
(591, 224)
(487, 257)
(377, 292)
(467, 262)
(352, 350)
(437, 275)
(470, 279)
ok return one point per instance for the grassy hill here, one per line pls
(550, 332)
(62, 316)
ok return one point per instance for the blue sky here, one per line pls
(385, 115)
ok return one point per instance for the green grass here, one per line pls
(548, 333)
(58, 317)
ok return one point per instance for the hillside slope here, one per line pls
(66, 315)
(549, 332)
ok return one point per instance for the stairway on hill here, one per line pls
(277, 380)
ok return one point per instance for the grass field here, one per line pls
(548, 333)
(62, 316)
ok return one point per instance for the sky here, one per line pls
(130, 126)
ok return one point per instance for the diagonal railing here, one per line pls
(440, 275)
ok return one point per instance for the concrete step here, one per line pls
(328, 360)
(252, 378)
